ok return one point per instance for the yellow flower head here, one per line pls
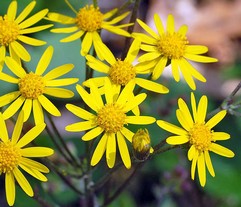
(121, 72)
(14, 155)
(173, 46)
(199, 134)
(33, 86)
(109, 119)
(13, 30)
(87, 23)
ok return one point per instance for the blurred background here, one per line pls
(164, 181)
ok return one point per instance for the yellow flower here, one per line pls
(120, 72)
(109, 120)
(14, 155)
(88, 21)
(32, 87)
(198, 134)
(162, 47)
(14, 29)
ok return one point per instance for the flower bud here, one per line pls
(141, 144)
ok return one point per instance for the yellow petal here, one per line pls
(34, 165)
(73, 37)
(195, 49)
(158, 69)
(175, 70)
(12, 10)
(97, 64)
(220, 150)
(81, 126)
(111, 150)
(8, 78)
(201, 169)
(158, 24)
(10, 188)
(3, 132)
(36, 152)
(191, 153)
(127, 134)
(34, 173)
(14, 107)
(209, 163)
(87, 98)
(151, 86)
(116, 30)
(171, 128)
(35, 29)
(202, 109)
(133, 51)
(65, 30)
(58, 71)
(176, 140)
(37, 112)
(170, 24)
(220, 136)
(147, 29)
(140, 119)
(200, 58)
(31, 41)
(15, 67)
(149, 56)
(61, 18)
(31, 135)
(59, 92)
(44, 60)
(126, 92)
(194, 164)
(99, 150)
(125, 156)
(62, 82)
(33, 19)
(8, 98)
(26, 11)
(20, 51)
(183, 120)
(81, 113)
(216, 119)
(134, 102)
(86, 43)
(17, 128)
(22, 181)
(92, 134)
(48, 105)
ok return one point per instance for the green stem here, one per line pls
(123, 185)
(131, 28)
(164, 150)
(62, 141)
(95, 3)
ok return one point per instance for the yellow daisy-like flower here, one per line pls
(121, 72)
(173, 46)
(15, 155)
(88, 21)
(14, 29)
(198, 134)
(32, 87)
(110, 119)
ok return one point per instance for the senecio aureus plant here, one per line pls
(106, 106)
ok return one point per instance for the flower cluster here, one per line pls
(111, 102)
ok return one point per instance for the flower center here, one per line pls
(122, 72)
(31, 86)
(111, 118)
(172, 46)
(89, 18)
(9, 31)
(200, 136)
(9, 157)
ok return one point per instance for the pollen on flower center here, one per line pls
(31, 86)
(200, 136)
(111, 118)
(173, 45)
(122, 72)
(89, 18)
(9, 157)
(9, 31)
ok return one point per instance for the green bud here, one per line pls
(141, 144)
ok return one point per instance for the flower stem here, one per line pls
(131, 28)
